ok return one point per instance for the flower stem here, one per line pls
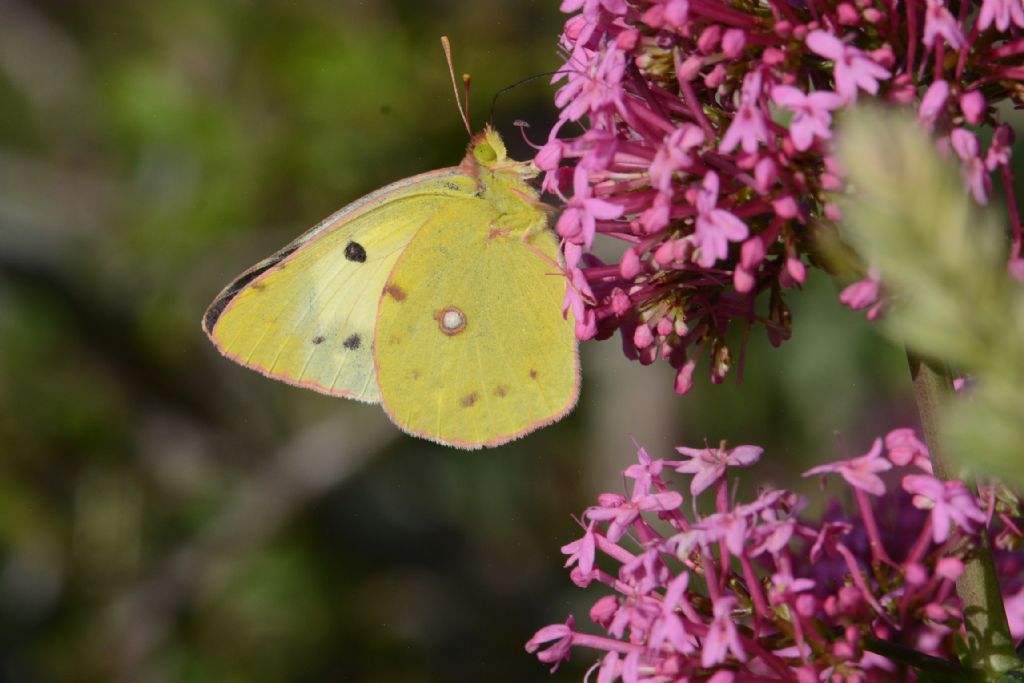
(938, 670)
(989, 644)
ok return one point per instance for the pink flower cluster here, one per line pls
(705, 148)
(756, 592)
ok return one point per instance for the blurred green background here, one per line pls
(166, 515)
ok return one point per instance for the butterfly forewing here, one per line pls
(307, 314)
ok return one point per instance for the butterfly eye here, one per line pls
(484, 153)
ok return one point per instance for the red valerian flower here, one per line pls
(705, 151)
(759, 592)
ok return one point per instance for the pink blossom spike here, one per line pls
(673, 614)
(674, 98)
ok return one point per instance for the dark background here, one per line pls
(166, 515)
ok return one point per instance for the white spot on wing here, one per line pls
(451, 320)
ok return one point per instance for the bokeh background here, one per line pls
(168, 516)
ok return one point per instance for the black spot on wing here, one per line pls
(355, 252)
(352, 343)
(319, 339)
(470, 400)
(215, 310)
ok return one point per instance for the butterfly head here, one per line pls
(487, 154)
(487, 148)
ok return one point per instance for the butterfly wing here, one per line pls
(306, 315)
(471, 346)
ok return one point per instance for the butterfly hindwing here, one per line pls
(306, 315)
(471, 346)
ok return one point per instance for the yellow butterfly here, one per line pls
(438, 296)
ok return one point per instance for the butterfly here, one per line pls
(438, 296)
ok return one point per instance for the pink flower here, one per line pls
(592, 8)
(1014, 605)
(622, 512)
(559, 650)
(747, 128)
(973, 168)
(751, 256)
(670, 628)
(861, 294)
(722, 637)
(866, 293)
(972, 104)
(708, 464)
(715, 227)
(949, 502)
(588, 92)
(728, 528)
(1000, 150)
(674, 155)
(684, 377)
(934, 102)
(583, 211)
(1001, 13)
(939, 22)
(582, 552)
(577, 294)
(644, 471)
(905, 448)
(853, 68)
(785, 588)
(1016, 269)
(676, 12)
(861, 472)
(811, 117)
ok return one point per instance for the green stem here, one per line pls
(938, 670)
(989, 644)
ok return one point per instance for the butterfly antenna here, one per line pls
(494, 100)
(465, 83)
